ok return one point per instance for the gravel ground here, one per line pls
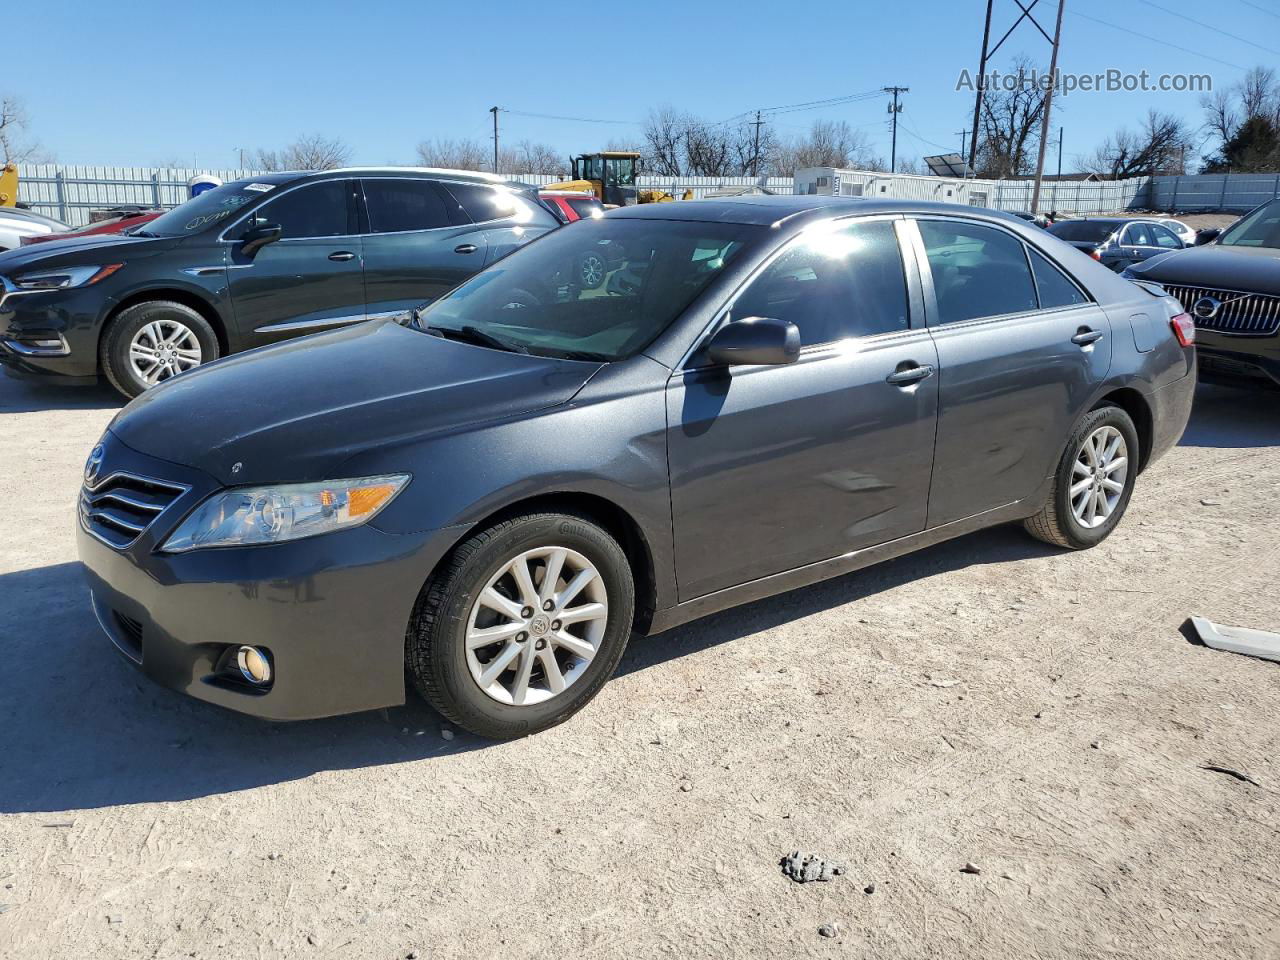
(1042, 716)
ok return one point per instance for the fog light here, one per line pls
(254, 665)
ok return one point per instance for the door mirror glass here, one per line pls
(761, 341)
(257, 237)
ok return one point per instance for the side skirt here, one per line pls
(846, 563)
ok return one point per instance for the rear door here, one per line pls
(1021, 351)
(1138, 242)
(794, 464)
(417, 244)
(506, 218)
(308, 280)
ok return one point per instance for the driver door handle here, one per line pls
(1086, 337)
(910, 375)
(341, 255)
(465, 248)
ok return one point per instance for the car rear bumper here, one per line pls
(1170, 413)
(331, 611)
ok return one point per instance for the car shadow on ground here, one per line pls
(1228, 417)
(19, 396)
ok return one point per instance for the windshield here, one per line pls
(1082, 231)
(599, 290)
(211, 207)
(1258, 229)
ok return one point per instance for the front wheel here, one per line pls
(522, 625)
(1093, 484)
(155, 341)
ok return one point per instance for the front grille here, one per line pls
(1242, 314)
(120, 508)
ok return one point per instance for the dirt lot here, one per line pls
(1039, 714)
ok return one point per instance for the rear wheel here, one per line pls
(1093, 484)
(522, 625)
(155, 341)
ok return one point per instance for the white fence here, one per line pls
(70, 192)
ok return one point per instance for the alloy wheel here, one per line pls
(536, 625)
(1098, 477)
(163, 349)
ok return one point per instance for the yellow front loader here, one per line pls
(8, 185)
(611, 176)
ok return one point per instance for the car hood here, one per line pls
(298, 410)
(1252, 269)
(84, 249)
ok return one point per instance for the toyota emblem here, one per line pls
(1206, 307)
(93, 465)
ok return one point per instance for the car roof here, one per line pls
(288, 176)
(766, 209)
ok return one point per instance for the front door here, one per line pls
(775, 467)
(310, 279)
(1021, 349)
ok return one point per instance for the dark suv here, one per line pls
(250, 263)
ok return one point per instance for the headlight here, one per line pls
(64, 277)
(255, 515)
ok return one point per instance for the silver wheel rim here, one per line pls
(536, 626)
(592, 271)
(163, 349)
(1098, 477)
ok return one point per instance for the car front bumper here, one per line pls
(331, 610)
(51, 333)
(1239, 361)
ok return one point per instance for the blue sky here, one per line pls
(142, 83)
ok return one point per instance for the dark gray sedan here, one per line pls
(492, 496)
(1118, 242)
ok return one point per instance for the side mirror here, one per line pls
(255, 238)
(1207, 235)
(761, 341)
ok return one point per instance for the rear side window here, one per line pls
(396, 205)
(834, 284)
(978, 271)
(1052, 284)
(483, 203)
(316, 210)
(1137, 235)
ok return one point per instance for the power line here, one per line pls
(1201, 23)
(549, 116)
(1166, 43)
(1261, 9)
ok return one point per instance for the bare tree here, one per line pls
(1009, 125)
(829, 143)
(310, 152)
(708, 151)
(529, 157)
(1159, 146)
(14, 147)
(455, 154)
(664, 139)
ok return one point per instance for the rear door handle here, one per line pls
(910, 375)
(340, 255)
(465, 248)
(1086, 337)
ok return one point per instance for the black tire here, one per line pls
(435, 643)
(113, 349)
(1056, 523)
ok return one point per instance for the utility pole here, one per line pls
(1060, 153)
(755, 153)
(494, 111)
(1048, 106)
(894, 109)
(982, 82)
(961, 134)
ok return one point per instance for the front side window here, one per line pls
(1165, 238)
(316, 210)
(978, 271)
(1054, 288)
(396, 205)
(1261, 228)
(602, 290)
(834, 282)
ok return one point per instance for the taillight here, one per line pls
(1184, 328)
(1096, 254)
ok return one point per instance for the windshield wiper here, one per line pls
(139, 232)
(472, 334)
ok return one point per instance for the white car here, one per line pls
(16, 224)
(1185, 233)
